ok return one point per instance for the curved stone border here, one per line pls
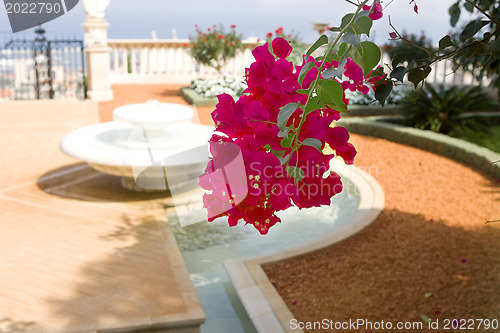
(373, 110)
(457, 149)
(193, 98)
(264, 306)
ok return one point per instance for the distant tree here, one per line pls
(215, 46)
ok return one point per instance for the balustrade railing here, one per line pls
(151, 61)
(166, 61)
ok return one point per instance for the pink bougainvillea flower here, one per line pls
(393, 35)
(262, 54)
(376, 12)
(415, 8)
(437, 312)
(463, 260)
(281, 48)
(356, 78)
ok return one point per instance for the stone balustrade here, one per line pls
(167, 61)
(150, 61)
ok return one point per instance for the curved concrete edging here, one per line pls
(456, 149)
(193, 98)
(264, 306)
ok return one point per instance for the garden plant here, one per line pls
(442, 109)
(215, 46)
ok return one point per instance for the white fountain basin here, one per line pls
(153, 113)
(147, 145)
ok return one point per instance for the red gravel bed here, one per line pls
(428, 253)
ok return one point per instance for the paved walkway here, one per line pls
(79, 253)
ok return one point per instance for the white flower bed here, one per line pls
(214, 87)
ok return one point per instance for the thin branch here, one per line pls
(410, 42)
(451, 54)
(494, 221)
(352, 3)
(483, 12)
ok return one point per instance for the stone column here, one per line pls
(98, 64)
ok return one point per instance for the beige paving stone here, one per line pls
(79, 252)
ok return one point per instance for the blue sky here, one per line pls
(136, 19)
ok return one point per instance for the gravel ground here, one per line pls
(428, 255)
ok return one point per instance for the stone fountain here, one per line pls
(153, 146)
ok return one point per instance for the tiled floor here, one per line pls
(78, 252)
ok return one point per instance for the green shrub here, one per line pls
(215, 46)
(441, 110)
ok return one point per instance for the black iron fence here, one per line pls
(42, 69)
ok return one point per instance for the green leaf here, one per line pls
(362, 26)
(363, 13)
(297, 174)
(335, 72)
(312, 142)
(469, 7)
(342, 50)
(346, 19)
(379, 71)
(371, 56)
(284, 159)
(332, 56)
(399, 58)
(417, 75)
(283, 132)
(286, 142)
(322, 40)
(302, 91)
(383, 91)
(454, 12)
(313, 104)
(304, 71)
(277, 153)
(479, 49)
(351, 39)
(331, 93)
(472, 28)
(425, 319)
(428, 295)
(445, 42)
(285, 114)
(495, 46)
(398, 73)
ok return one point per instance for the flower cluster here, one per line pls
(273, 146)
(215, 46)
(214, 87)
(275, 173)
